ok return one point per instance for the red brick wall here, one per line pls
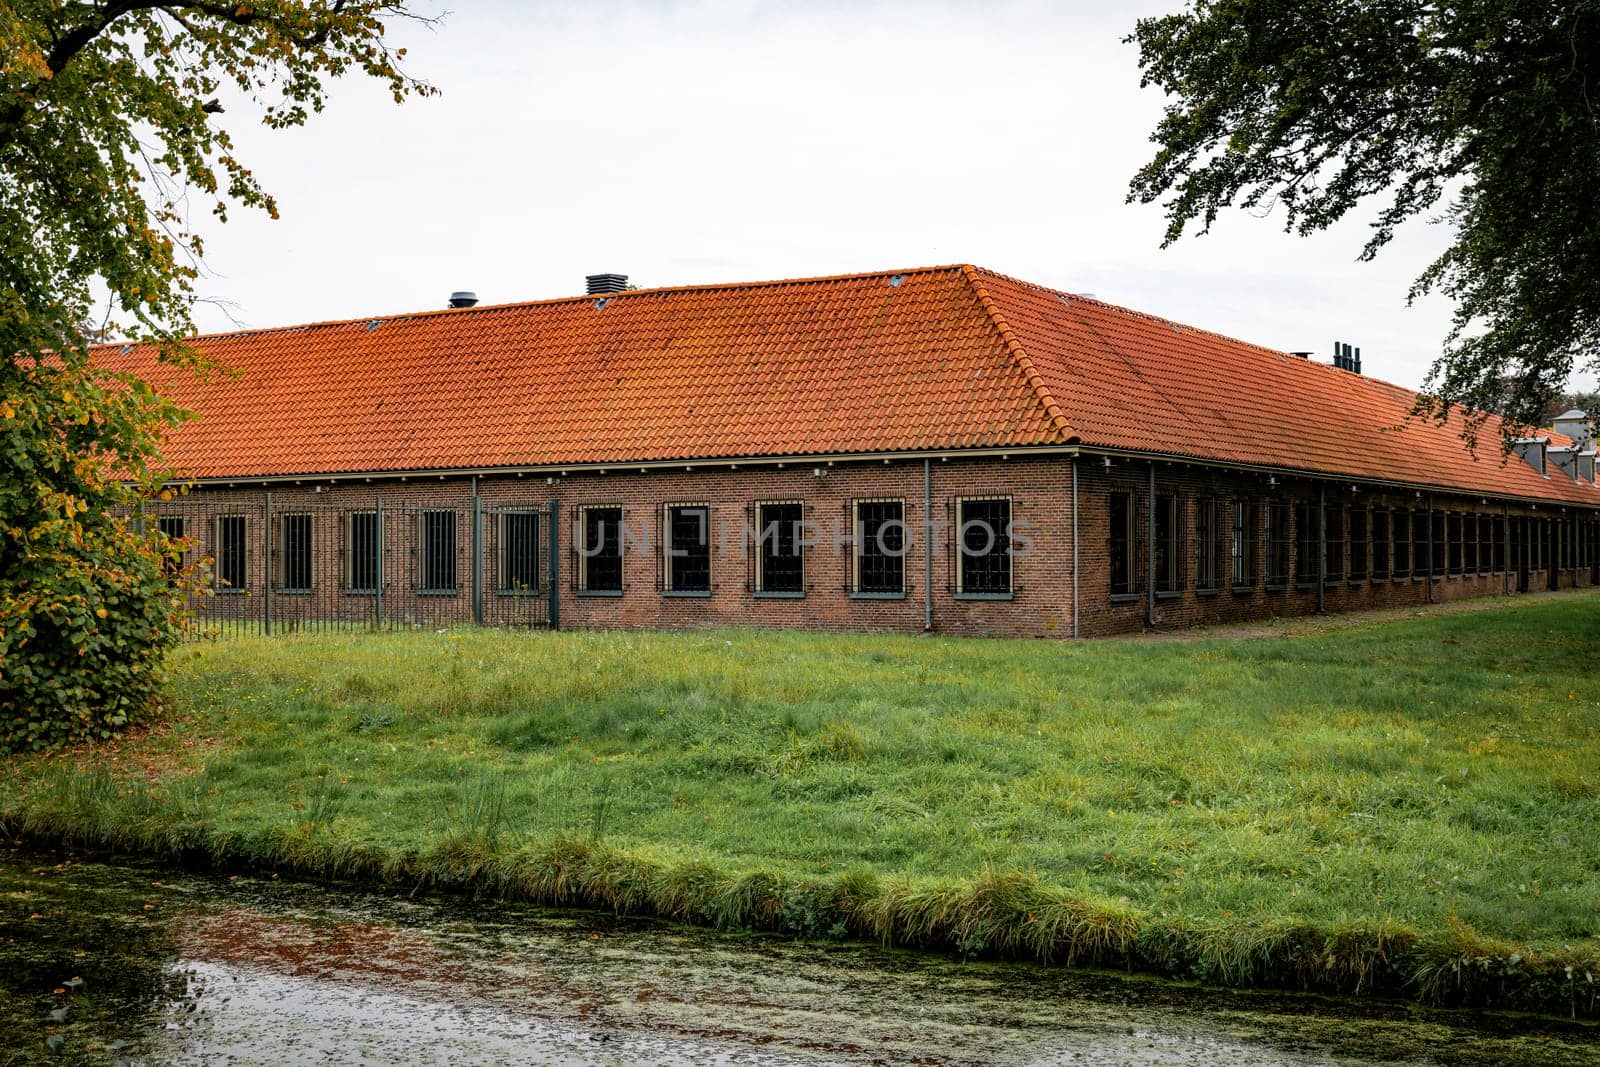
(1039, 490)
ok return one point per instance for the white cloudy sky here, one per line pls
(687, 142)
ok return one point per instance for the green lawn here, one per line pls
(1433, 779)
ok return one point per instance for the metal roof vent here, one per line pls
(463, 298)
(605, 283)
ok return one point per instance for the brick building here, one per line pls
(946, 449)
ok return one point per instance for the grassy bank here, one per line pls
(1409, 807)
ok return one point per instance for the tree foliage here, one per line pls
(1479, 113)
(110, 137)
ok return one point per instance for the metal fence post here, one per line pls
(477, 553)
(377, 578)
(555, 566)
(266, 571)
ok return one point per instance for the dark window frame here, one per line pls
(1121, 550)
(991, 574)
(516, 552)
(1169, 548)
(175, 529)
(1359, 565)
(1280, 543)
(686, 561)
(878, 562)
(1207, 543)
(771, 535)
(296, 550)
(1381, 543)
(438, 552)
(595, 565)
(230, 555)
(361, 553)
(1241, 544)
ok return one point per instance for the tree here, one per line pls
(109, 126)
(1479, 113)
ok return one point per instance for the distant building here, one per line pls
(944, 448)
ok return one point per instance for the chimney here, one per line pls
(1576, 425)
(463, 298)
(606, 283)
(1346, 357)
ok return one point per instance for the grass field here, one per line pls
(1410, 805)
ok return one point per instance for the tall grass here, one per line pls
(1407, 808)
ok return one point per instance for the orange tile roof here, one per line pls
(941, 358)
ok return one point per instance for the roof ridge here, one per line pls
(1020, 355)
(549, 301)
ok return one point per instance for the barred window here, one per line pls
(880, 534)
(361, 552)
(1498, 538)
(1454, 519)
(780, 563)
(1469, 543)
(600, 550)
(517, 555)
(1358, 544)
(1380, 544)
(1242, 544)
(229, 554)
(688, 548)
(1334, 518)
(1278, 543)
(1402, 543)
(1439, 543)
(1305, 542)
(1205, 543)
(1168, 544)
(1120, 546)
(983, 532)
(294, 553)
(172, 528)
(436, 556)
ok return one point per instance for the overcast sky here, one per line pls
(682, 143)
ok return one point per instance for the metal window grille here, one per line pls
(1440, 545)
(1240, 544)
(1121, 543)
(1335, 543)
(228, 555)
(1358, 544)
(1305, 542)
(517, 558)
(295, 567)
(1485, 543)
(1469, 543)
(1205, 543)
(1381, 554)
(437, 552)
(172, 527)
(780, 563)
(984, 537)
(1168, 544)
(688, 548)
(1278, 543)
(1454, 519)
(600, 552)
(1402, 543)
(361, 552)
(880, 532)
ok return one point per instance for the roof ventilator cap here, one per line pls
(463, 298)
(605, 283)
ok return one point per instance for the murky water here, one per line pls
(146, 965)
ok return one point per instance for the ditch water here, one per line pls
(125, 963)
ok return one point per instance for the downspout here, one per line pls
(1074, 546)
(927, 544)
(1322, 550)
(1150, 553)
